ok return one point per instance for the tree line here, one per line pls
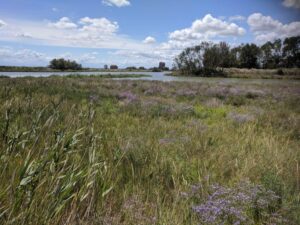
(209, 59)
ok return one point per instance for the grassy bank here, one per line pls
(293, 73)
(82, 150)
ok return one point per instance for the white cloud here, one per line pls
(85, 33)
(292, 3)
(102, 33)
(118, 3)
(55, 9)
(265, 28)
(237, 18)
(149, 40)
(98, 25)
(207, 27)
(63, 23)
(143, 58)
(12, 56)
(2, 23)
(24, 35)
(22, 57)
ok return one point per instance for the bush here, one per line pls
(280, 72)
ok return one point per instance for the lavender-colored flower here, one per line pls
(127, 97)
(235, 205)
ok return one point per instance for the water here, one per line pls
(158, 76)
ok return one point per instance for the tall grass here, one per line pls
(94, 151)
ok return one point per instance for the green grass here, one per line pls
(82, 150)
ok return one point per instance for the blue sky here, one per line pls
(132, 32)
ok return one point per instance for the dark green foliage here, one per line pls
(63, 64)
(249, 56)
(208, 59)
(291, 52)
(271, 55)
(203, 60)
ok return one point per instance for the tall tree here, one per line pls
(291, 51)
(249, 56)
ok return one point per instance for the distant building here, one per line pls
(162, 65)
(105, 67)
(113, 67)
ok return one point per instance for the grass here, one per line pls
(83, 150)
(286, 73)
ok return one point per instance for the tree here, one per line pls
(203, 59)
(208, 59)
(270, 54)
(62, 64)
(190, 60)
(226, 58)
(211, 57)
(249, 56)
(291, 52)
(235, 55)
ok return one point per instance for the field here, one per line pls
(78, 150)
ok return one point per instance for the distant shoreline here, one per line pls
(47, 69)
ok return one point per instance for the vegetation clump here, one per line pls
(63, 64)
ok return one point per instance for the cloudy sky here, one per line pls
(134, 32)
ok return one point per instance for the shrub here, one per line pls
(280, 72)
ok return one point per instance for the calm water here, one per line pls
(159, 76)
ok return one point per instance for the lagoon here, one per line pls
(155, 76)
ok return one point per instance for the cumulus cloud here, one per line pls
(118, 3)
(63, 23)
(265, 28)
(236, 18)
(207, 27)
(292, 3)
(149, 40)
(2, 23)
(98, 24)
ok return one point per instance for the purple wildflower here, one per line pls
(233, 205)
(128, 97)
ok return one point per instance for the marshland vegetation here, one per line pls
(84, 150)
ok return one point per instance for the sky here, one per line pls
(134, 32)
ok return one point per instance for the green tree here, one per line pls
(62, 64)
(249, 56)
(291, 52)
(271, 54)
